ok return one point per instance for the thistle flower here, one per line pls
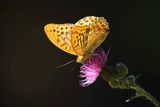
(92, 67)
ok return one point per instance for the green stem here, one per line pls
(145, 94)
(119, 78)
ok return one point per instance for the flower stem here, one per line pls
(145, 94)
(118, 78)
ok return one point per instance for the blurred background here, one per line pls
(28, 59)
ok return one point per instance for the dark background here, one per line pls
(28, 60)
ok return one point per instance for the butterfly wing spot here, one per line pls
(61, 28)
(86, 21)
(62, 33)
(80, 43)
(54, 30)
(66, 32)
(66, 27)
(57, 31)
(61, 39)
(71, 27)
(67, 47)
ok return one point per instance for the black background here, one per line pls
(28, 60)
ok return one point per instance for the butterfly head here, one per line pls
(81, 59)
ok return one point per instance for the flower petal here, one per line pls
(92, 67)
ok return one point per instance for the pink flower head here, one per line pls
(92, 67)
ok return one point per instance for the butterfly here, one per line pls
(81, 38)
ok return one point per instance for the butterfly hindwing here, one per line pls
(98, 31)
(79, 39)
(59, 35)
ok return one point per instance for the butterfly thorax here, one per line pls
(81, 59)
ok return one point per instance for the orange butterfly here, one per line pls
(81, 38)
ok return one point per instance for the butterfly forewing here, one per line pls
(59, 35)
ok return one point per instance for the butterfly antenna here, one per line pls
(74, 66)
(66, 63)
(108, 51)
